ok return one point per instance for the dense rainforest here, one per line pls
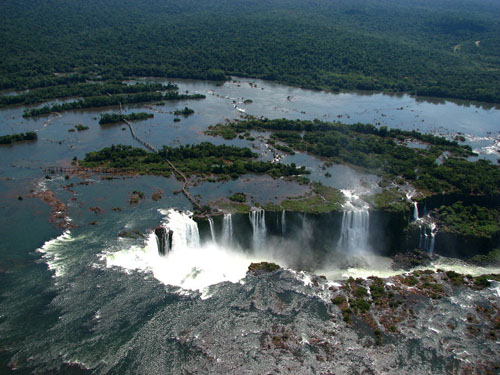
(437, 48)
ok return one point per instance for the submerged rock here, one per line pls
(135, 234)
(411, 259)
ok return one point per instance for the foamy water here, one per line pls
(381, 267)
(193, 268)
(188, 265)
(53, 252)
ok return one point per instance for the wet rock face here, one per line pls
(163, 239)
(411, 259)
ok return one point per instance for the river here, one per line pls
(87, 300)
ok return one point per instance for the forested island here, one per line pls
(205, 160)
(104, 101)
(16, 138)
(82, 89)
(113, 118)
(184, 112)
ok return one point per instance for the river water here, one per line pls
(86, 300)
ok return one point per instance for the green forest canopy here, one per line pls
(420, 46)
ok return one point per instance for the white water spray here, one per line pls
(198, 267)
(415, 211)
(212, 229)
(433, 236)
(283, 223)
(227, 230)
(184, 228)
(188, 265)
(258, 219)
(54, 255)
(427, 233)
(355, 224)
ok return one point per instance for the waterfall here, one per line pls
(283, 223)
(355, 224)
(433, 229)
(227, 230)
(427, 234)
(354, 230)
(258, 219)
(212, 229)
(415, 211)
(422, 237)
(184, 229)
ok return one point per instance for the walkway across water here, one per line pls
(155, 150)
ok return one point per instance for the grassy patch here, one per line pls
(388, 200)
(228, 206)
(321, 199)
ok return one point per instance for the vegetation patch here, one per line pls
(204, 159)
(469, 220)
(338, 47)
(81, 89)
(320, 199)
(113, 118)
(382, 151)
(392, 200)
(490, 259)
(392, 303)
(184, 112)
(81, 127)
(16, 138)
(105, 101)
(227, 206)
(238, 197)
(262, 267)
